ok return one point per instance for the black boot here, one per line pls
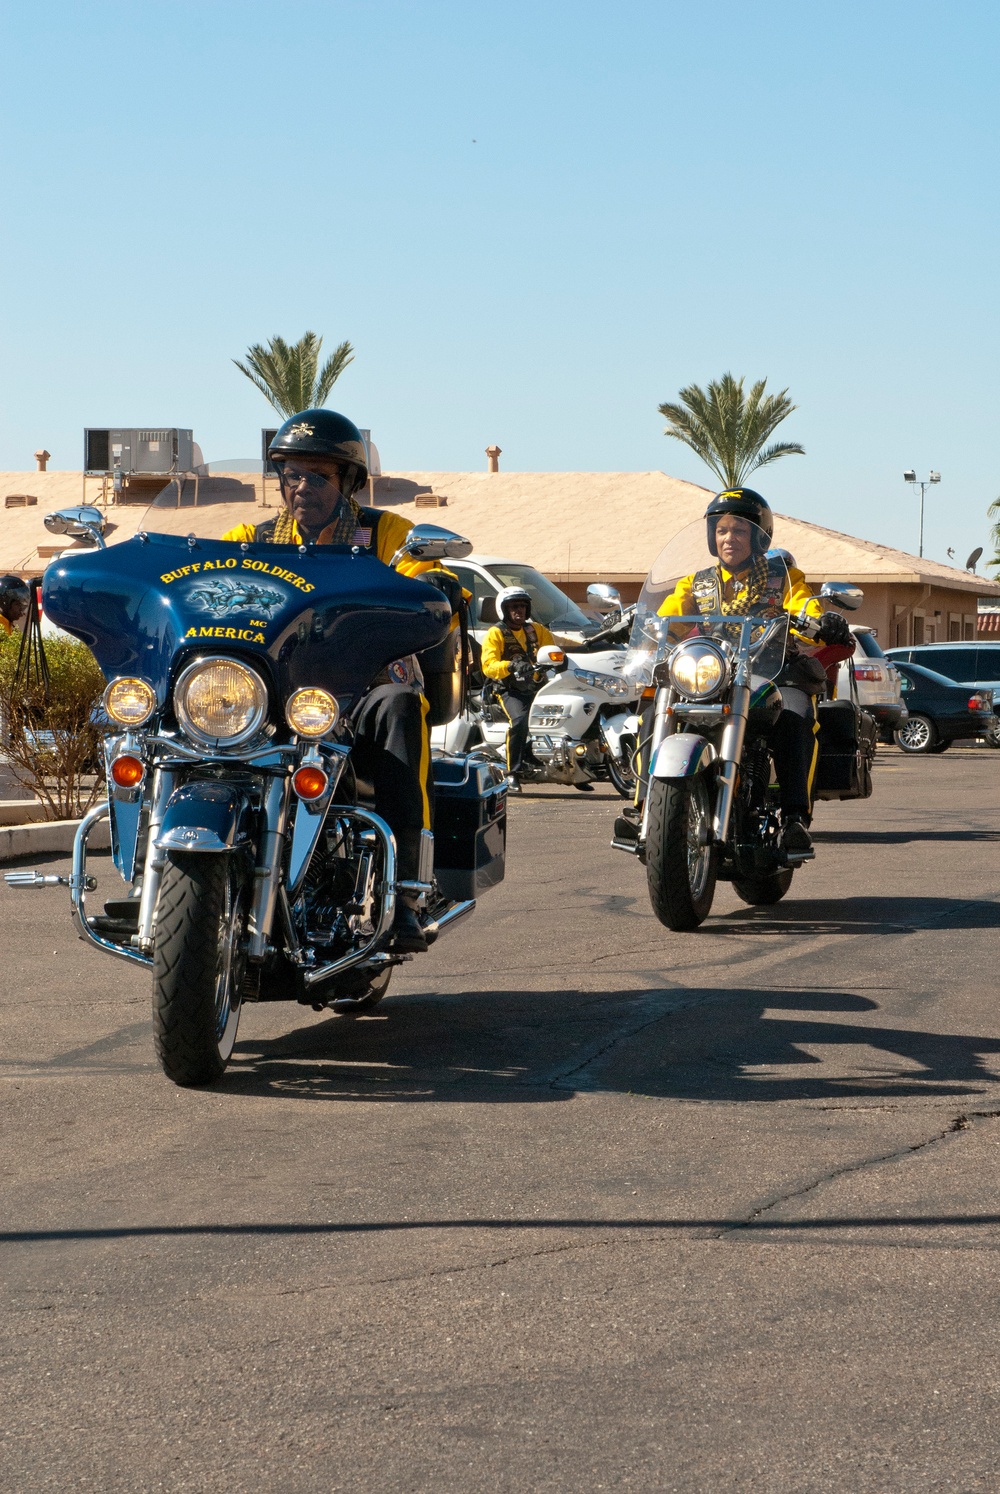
(796, 837)
(407, 935)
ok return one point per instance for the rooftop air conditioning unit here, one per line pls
(134, 452)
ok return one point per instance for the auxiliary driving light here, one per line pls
(310, 783)
(128, 771)
(312, 712)
(129, 702)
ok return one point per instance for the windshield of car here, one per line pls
(549, 606)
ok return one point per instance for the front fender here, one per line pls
(206, 816)
(682, 755)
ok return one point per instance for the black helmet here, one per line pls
(745, 504)
(14, 595)
(324, 433)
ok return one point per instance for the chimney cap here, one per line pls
(41, 457)
(493, 455)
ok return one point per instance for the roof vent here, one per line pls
(493, 457)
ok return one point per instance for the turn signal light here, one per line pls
(128, 771)
(310, 783)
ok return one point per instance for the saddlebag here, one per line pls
(847, 737)
(470, 825)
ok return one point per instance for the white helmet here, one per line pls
(512, 594)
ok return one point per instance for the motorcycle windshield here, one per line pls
(330, 615)
(691, 592)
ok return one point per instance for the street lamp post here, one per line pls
(911, 477)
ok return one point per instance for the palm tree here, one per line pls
(286, 374)
(994, 513)
(728, 430)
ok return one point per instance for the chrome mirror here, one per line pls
(431, 542)
(842, 594)
(83, 522)
(605, 598)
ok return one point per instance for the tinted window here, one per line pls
(474, 582)
(954, 663)
(869, 645)
(987, 664)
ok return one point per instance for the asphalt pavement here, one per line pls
(583, 1205)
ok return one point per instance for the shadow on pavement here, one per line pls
(519, 1047)
(855, 915)
(278, 1228)
(898, 837)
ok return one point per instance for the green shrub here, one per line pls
(53, 744)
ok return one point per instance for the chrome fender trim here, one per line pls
(683, 755)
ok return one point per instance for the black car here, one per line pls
(941, 712)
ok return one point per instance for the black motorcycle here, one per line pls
(254, 865)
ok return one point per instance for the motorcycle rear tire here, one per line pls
(760, 892)
(198, 964)
(680, 875)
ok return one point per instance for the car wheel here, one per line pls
(992, 737)
(917, 734)
(940, 747)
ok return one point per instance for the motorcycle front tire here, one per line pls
(681, 871)
(199, 962)
(623, 782)
(760, 892)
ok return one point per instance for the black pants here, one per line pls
(516, 706)
(795, 745)
(392, 751)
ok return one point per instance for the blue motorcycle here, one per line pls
(255, 867)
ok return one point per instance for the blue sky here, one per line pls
(534, 221)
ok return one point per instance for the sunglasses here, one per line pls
(291, 477)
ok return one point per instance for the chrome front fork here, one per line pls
(164, 783)
(730, 756)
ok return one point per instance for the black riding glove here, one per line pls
(834, 629)
(522, 672)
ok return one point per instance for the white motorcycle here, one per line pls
(581, 725)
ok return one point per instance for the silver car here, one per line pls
(877, 680)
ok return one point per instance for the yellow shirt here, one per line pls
(494, 663)
(392, 531)
(797, 598)
(7, 626)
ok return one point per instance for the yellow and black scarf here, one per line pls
(341, 530)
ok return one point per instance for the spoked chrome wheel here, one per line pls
(916, 735)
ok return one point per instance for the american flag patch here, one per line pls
(363, 537)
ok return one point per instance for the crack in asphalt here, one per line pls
(960, 1122)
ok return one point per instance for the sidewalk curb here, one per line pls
(48, 837)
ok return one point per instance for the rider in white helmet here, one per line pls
(510, 652)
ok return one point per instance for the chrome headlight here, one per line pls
(698, 670)
(129, 702)
(220, 701)
(609, 683)
(312, 712)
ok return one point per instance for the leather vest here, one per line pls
(366, 534)
(707, 590)
(511, 647)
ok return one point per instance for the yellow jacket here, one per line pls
(392, 531)
(798, 596)
(7, 627)
(495, 662)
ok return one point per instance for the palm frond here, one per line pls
(727, 429)
(287, 373)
